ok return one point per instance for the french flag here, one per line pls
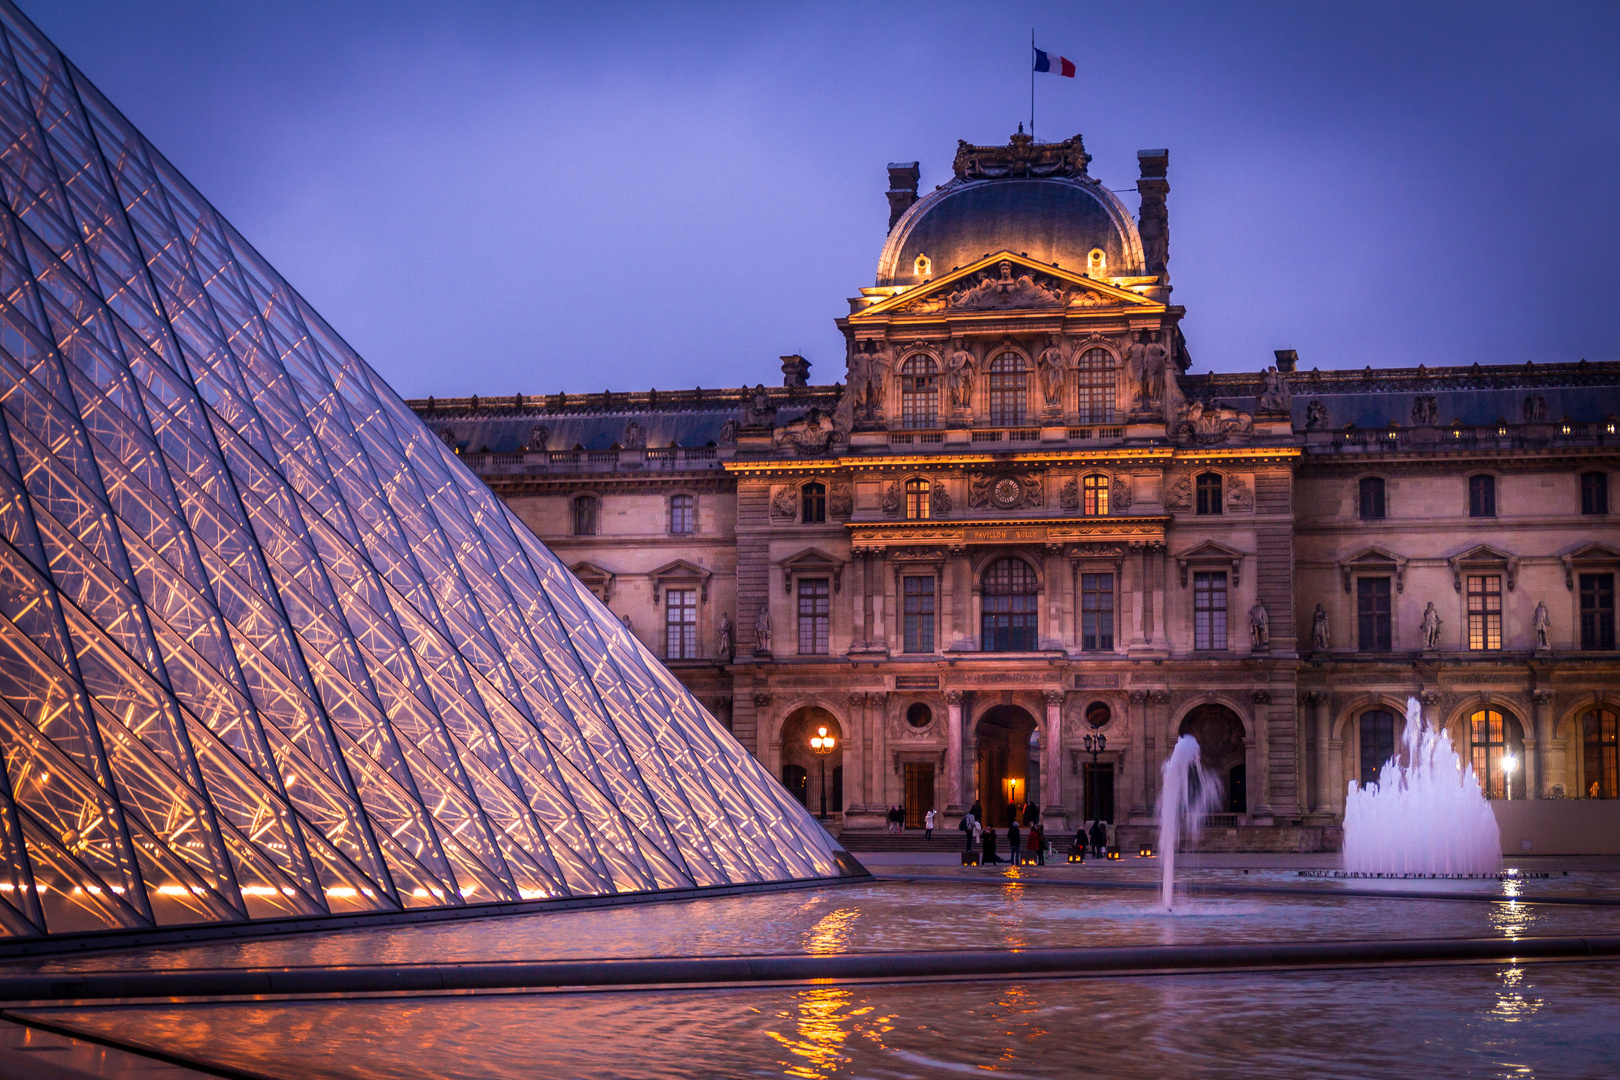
(1055, 65)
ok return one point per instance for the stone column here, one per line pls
(857, 755)
(1260, 778)
(1536, 783)
(1140, 795)
(1139, 594)
(1052, 756)
(1430, 700)
(955, 804)
(1159, 712)
(879, 632)
(877, 719)
(947, 603)
(866, 597)
(766, 751)
(1159, 630)
(1321, 725)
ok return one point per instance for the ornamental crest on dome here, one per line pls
(1022, 156)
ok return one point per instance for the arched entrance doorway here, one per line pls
(816, 780)
(1219, 732)
(1007, 768)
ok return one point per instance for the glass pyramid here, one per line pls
(267, 648)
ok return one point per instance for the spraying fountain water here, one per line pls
(1426, 817)
(1187, 792)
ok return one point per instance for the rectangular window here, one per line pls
(1097, 612)
(584, 516)
(1594, 493)
(682, 514)
(1094, 496)
(680, 624)
(1372, 614)
(1482, 496)
(815, 616)
(1096, 380)
(1209, 611)
(1372, 498)
(919, 614)
(1484, 611)
(1597, 611)
(1208, 487)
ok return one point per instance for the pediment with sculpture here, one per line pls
(1005, 282)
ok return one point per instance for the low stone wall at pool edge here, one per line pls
(1273, 839)
(1559, 826)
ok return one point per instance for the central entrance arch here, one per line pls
(1006, 768)
(802, 767)
(1219, 732)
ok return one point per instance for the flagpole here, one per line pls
(1032, 83)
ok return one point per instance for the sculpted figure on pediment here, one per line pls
(635, 436)
(759, 412)
(1196, 421)
(813, 433)
(1276, 396)
(1004, 290)
(539, 436)
(728, 433)
(1316, 415)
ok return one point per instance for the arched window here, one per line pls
(1482, 496)
(1010, 598)
(919, 393)
(916, 500)
(585, 515)
(1094, 495)
(1009, 389)
(1096, 375)
(1372, 498)
(682, 514)
(1377, 743)
(1209, 493)
(1595, 493)
(1496, 738)
(1598, 737)
(813, 504)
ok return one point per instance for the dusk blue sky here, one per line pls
(500, 198)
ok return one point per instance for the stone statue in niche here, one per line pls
(728, 433)
(759, 412)
(539, 436)
(628, 625)
(726, 646)
(841, 501)
(959, 376)
(1315, 416)
(1541, 624)
(1134, 353)
(1425, 411)
(635, 437)
(762, 631)
(1275, 396)
(1050, 366)
(1153, 366)
(877, 379)
(1319, 630)
(1431, 627)
(1259, 626)
(1535, 409)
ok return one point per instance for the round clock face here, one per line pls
(1007, 492)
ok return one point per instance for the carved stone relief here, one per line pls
(1120, 492)
(841, 501)
(892, 500)
(784, 504)
(1239, 496)
(1069, 494)
(939, 498)
(1180, 495)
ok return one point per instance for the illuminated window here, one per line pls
(919, 614)
(1494, 736)
(1484, 611)
(585, 515)
(1096, 262)
(680, 624)
(1597, 612)
(815, 616)
(1209, 610)
(919, 393)
(1372, 498)
(813, 504)
(1602, 754)
(916, 500)
(1594, 493)
(1094, 495)
(923, 266)
(1482, 496)
(1209, 493)
(682, 514)
(1095, 371)
(1009, 389)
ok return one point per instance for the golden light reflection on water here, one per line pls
(820, 1029)
(833, 932)
(1513, 1005)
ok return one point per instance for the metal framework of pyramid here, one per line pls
(267, 648)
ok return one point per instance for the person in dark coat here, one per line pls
(988, 857)
(1037, 843)
(1099, 836)
(1013, 845)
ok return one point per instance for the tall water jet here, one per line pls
(1425, 816)
(1187, 792)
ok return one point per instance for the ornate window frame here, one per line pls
(1006, 347)
(811, 563)
(574, 502)
(1210, 555)
(680, 574)
(596, 579)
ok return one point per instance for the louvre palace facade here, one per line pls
(1018, 548)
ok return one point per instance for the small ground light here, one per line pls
(1113, 853)
(1077, 855)
(1146, 852)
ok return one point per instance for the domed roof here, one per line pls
(1026, 197)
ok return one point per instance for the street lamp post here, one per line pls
(1509, 765)
(1095, 744)
(823, 743)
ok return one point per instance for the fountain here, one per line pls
(1425, 817)
(1183, 802)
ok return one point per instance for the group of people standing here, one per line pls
(1097, 836)
(982, 837)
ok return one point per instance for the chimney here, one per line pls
(1155, 219)
(1287, 360)
(795, 371)
(903, 177)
